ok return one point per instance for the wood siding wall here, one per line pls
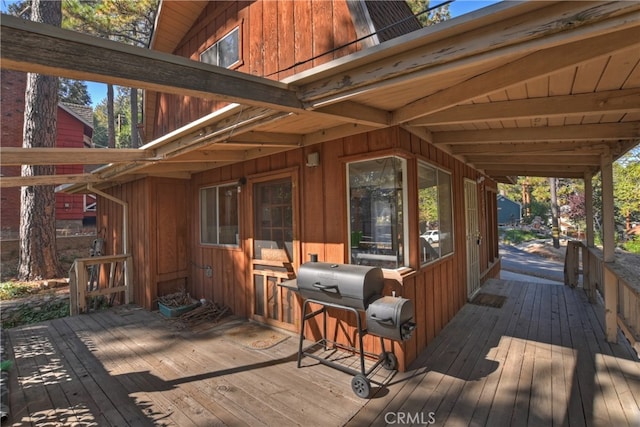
(165, 240)
(158, 220)
(278, 39)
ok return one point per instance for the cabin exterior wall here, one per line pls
(165, 231)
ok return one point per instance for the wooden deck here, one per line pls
(541, 359)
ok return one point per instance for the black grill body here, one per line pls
(391, 317)
(344, 284)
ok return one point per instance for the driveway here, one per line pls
(520, 262)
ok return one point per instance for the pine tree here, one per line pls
(38, 257)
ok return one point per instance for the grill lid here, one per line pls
(344, 284)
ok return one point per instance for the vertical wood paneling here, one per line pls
(303, 34)
(270, 38)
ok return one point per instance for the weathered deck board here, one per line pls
(540, 359)
(553, 367)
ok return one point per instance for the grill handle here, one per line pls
(388, 321)
(326, 288)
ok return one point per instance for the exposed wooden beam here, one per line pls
(69, 156)
(32, 47)
(210, 155)
(556, 173)
(25, 181)
(611, 101)
(480, 160)
(268, 137)
(335, 132)
(589, 132)
(530, 148)
(358, 113)
(537, 64)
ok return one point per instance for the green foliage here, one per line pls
(11, 290)
(427, 17)
(5, 365)
(28, 313)
(632, 246)
(515, 236)
(74, 92)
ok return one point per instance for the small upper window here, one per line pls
(225, 52)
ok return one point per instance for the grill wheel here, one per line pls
(390, 361)
(361, 386)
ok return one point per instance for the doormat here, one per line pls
(255, 337)
(489, 300)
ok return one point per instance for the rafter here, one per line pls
(25, 181)
(533, 148)
(611, 101)
(590, 132)
(480, 160)
(68, 156)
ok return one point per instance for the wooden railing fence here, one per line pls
(621, 294)
(98, 276)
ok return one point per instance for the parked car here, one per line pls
(431, 236)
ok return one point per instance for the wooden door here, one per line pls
(274, 253)
(473, 235)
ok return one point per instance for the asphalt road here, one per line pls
(516, 260)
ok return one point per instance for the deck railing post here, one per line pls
(586, 274)
(610, 304)
(73, 289)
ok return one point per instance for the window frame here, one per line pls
(218, 187)
(404, 162)
(437, 169)
(216, 45)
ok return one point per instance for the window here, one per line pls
(219, 215)
(225, 52)
(435, 210)
(377, 214)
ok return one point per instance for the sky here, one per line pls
(98, 91)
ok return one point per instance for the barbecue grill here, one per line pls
(355, 289)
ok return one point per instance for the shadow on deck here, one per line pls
(540, 359)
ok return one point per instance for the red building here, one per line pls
(75, 129)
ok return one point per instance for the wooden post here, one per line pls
(610, 304)
(73, 289)
(571, 264)
(82, 285)
(588, 205)
(608, 229)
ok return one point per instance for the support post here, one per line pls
(587, 280)
(608, 229)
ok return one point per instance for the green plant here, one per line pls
(632, 246)
(515, 236)
(28, 313)
(11, 290)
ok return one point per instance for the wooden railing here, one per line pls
(621, 294)
(90, 278)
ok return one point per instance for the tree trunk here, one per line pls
(134, 118)
(111, 118)
(38, 254)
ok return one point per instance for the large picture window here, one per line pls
(435, 208)
(225, 52)
(219, 215)
(377, 204)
